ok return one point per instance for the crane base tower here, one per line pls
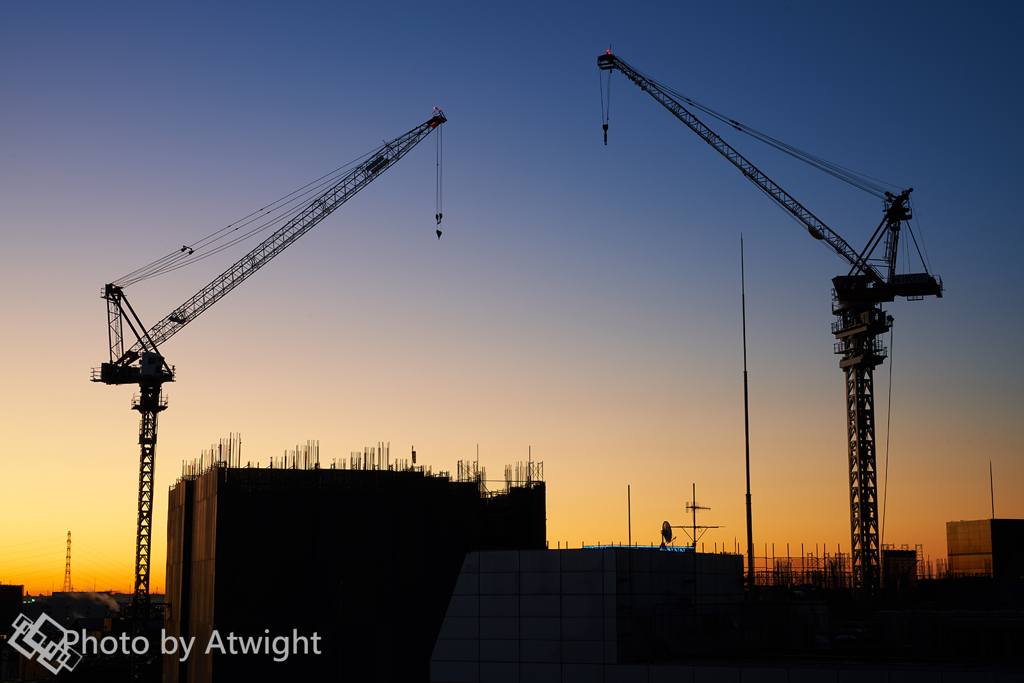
(149, 374)
(858, 326)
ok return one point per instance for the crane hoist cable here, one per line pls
(888, 430)
(437, 192)
(606, 112)
(917, 220)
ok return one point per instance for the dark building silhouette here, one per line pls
(986, 547)
(587, 614)
(364, 559)
(899, 568)
(10, 608)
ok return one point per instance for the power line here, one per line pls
(100, 552)
(45, 540)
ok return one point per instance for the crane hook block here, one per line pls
(605, 126)
(438, 234)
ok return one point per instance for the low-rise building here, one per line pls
(986, 547)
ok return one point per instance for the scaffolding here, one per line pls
(227, 453)
(820, 568)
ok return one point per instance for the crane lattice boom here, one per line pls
(814, 225)
(314, 212)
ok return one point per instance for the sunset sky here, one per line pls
(584, 300)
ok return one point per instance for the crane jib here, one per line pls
(315, 210)
(815, 226)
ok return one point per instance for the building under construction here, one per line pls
(368, 569)
(355, 560)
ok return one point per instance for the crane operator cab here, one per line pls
(151, 363)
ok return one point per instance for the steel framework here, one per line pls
(858, 328)
(67, 568)
(150, 404)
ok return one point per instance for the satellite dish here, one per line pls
(666, 532)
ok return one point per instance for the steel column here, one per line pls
(863, 499)
(857, 328)
(150, 404)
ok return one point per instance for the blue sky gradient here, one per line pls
(584, 299)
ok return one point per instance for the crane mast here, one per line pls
(144, 365)
(860, 321)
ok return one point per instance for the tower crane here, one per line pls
(857, 298)
(142, 363)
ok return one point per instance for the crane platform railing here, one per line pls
(137, 401)
(875, 346)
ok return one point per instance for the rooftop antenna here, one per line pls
(694, 529)
(991, 491)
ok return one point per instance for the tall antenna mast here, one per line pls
(746, 422)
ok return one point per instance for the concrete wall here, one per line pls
(989, 547)
(178, 578)
(969, 547)
(568, 615)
